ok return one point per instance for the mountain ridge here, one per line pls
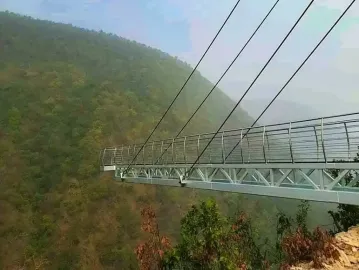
(65, 93)
(281, 111)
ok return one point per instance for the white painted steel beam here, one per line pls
(344, 197)
(289, 160)
(296, 181)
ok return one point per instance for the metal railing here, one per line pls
(320, 140)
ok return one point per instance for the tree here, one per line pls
(347, 215)
(65, 93)
(210, 241)
(297, 243)
(248, 250)
(151, 252)
(204, 236)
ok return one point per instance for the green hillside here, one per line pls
(63, 84)
(65, 93)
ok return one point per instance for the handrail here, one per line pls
(292, 143)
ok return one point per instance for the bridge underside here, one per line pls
(315, 159)
(303, 181)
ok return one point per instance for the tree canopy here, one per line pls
(65, 93)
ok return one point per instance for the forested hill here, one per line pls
(65, 93)
(98, 60)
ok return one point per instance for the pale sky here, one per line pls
(184, 28)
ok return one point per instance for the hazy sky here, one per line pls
(330, 80)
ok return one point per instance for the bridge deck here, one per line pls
(292, 160)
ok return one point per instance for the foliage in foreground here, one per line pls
(209, 240)
(151, 252)
(296, 243)
(305, 246)
(315, 246)
(65, 93)
(347, 215)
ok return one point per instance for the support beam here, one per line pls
(297, 164)
(281, 192)
(253, 179)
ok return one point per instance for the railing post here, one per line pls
(184, 150)
(264, 146)
(128, 154)
(290, 141)
(210, 153)
(267, 137)
(316, 140)
(173, 141)
(134, 153)
(241, 145)
(199, 136)
(223, 153)
(153, 154)
(122, 159)
(103, 157)
(249, 152)
(114, 156)
(322, 138)
(143, 154)
(161, 151)
(348, 141)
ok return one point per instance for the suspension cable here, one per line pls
(220, 79)
(294, 74)
(183, 86)
(248, 89)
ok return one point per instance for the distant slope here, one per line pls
(65, 93)
(72, 90)
(280, 111)
(130, 66)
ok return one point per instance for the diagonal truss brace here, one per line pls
(298, 181)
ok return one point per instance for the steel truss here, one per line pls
(304, 181)
(289, 160)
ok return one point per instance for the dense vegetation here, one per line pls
(65, 93)
(211, 240)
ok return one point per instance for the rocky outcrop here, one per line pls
(347, 244)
